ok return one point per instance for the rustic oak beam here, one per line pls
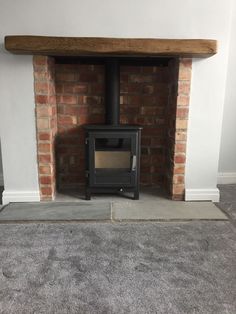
(90, 46)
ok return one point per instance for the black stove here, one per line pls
(112, 149)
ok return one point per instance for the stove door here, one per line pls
(113, 159)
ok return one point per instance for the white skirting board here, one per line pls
(202, 195)
(226, 178)
(20, 196)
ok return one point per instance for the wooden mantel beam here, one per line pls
(91, 46)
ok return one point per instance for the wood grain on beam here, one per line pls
(89, 46)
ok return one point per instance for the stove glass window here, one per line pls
(113, 153)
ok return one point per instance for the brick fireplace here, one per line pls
(69, 93)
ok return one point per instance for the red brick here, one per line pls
(182, 100)
(59, 88)
(70, 68)
(43, 123)
(123, 100)
(45, 158)
(135, 100)
(53, 123)
(52, 100)
(88, 77)
(130, 69)
(148, 69)
(43, 111)
(157, 159)
(130, 110)
(130, 88)
(181, 124)
(124, 119)
(178, 179)
(42, 75)
(40, 60)
(141, 120)
(44, 169)
(92, 100)
(145, 141)
(148, 89)
(66, 99)
(186, 63)
(54, 110)
(46, 191)
(81, 88)
(66, 77)
(71, 110)
(185, 74)
(184, 88)
(68, 88)
(44, 136)
(178, 189)
(96, 118)
(152, 131)
(145, 169)
(65, 120)
(179, 169)
(124, 77)
(42, 88)
(84, 119)
(51, 88)
(157, 141)
(41, 99)
(182, 113)
(140, 78)
(45, 179)
(146, 180)
(85, 68)
(180, 159)
(180, 136)
(97, 110)
(180, 148)
(96, 88)
(44, 148)
(150, 110)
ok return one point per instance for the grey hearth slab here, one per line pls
(166, 210)
(55, 211)
(119, 210)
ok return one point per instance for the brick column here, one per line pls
(178, 123)
(46, 122)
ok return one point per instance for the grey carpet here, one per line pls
(108, 268)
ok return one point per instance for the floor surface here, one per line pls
(173, 267)
(106, 268)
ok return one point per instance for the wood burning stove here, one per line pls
(112, 149)
(113, 154)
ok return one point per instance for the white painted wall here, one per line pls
(1, 171)
(227, 165)
(112, 18)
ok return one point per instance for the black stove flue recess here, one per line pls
(112, 149)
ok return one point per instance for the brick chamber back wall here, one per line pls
(145, 92)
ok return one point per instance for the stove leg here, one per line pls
(136, 194)
(88, 195)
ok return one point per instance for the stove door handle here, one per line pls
(134, 162)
